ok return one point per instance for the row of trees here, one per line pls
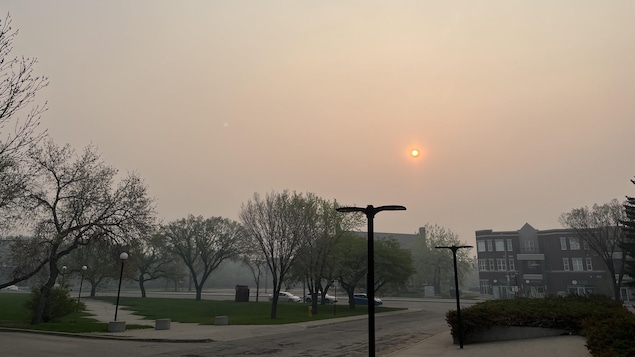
(71, 206)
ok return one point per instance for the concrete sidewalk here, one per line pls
(436, 345)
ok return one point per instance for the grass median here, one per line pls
(14, 314)
(238, 313)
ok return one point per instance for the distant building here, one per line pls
(406, 241)
(533, 263)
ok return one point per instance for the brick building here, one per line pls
(533, 263)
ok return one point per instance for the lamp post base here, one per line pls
(116, 326)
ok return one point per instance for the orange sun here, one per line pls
(414, 152)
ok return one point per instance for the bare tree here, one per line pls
(204, 244)
(19, 119)
(75, 200)
(317, 263)
(101, 257)
(279, 224)
(436, 265)
(257, 265)
(600, 228)
(154, 260)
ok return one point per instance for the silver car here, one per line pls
(285, 296)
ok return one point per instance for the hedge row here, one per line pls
(608, 326)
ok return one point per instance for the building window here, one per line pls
(574, 243)
(585, 245)
(512, 266)
(500, 245)
(501, 264)
(491, 264)
(482, 264)
(577, 264)
(589, 264)
(480, 246)
(565, 264)
(563, 243)
(485, 287)
(489, 246)
(510, 246)
(530, 246)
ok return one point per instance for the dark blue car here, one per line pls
(362, 299)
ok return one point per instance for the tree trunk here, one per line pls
(142, 287)
(45, 293)
(276, 291)
(93, 289)
(351, 300)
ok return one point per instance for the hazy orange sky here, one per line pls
(522, 110)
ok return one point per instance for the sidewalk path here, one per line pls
(436, 345)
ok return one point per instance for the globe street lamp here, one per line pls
(81, 282)
(370, 213)
(123, 256)
(456, 289)
(63, 274)
(335, 303)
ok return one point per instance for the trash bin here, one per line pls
(242, 293)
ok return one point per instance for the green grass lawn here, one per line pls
(14, 314)
(238, 313)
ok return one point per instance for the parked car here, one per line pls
(11, 288)
(362, 299)
(328, 298)
(285, 296)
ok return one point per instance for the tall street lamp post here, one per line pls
(370, 213)
(123, 256)
(456, 289)
(81, 282)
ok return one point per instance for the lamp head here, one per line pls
(123, 256)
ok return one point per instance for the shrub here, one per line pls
(608, 326)
(58, 304)
(610, 337)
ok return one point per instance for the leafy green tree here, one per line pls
(203, 244)
(351, 262)
(628, 245)
(393, 265)
(434, 266)
(599, 226)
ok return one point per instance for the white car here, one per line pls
(329, 299)
(286, 297)
(11, 288)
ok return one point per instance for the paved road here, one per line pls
(349, 338)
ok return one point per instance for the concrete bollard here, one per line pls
(116, 326)
(221, 320)
(162, 324)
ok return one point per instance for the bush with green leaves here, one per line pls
(58, 304)
(606, 323)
